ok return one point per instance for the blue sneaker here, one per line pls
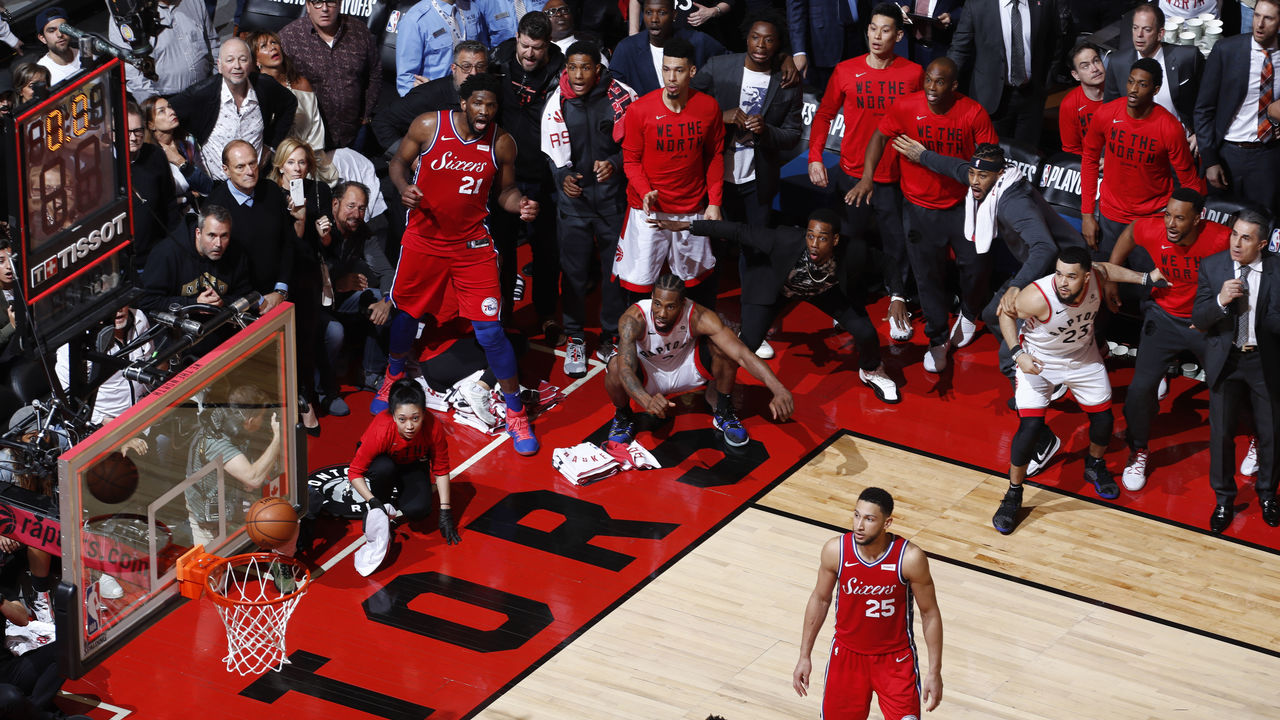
(622, 431)
(1096, 472)
(379, 403)
(521, 433)
(727, 422)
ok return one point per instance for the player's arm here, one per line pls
(1108, 272)
(1120, 253)
(915, 569)
(861, 192)
(832, 101)
(1030, 303)
(1090, 177)
(631, 329)
(421, 131)
(815, 614)
(708, 323)
(252, 475)
(713, 159)
(509, 196)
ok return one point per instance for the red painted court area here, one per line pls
(440, 631)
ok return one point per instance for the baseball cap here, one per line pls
(45, 16)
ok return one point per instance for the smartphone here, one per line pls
(295, 192)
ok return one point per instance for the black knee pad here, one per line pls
(1024, 440)
(1100, 427)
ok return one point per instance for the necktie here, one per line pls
(520, 10)
(1242, 319)
(1017, 53)
(849, 12)
(1266, 95)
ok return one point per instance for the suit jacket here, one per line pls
(263, 233)
(1222, 91)
(770, 254)
(197, 107)
(1183, 67)
(816, 28)
(1219, 327)
(721, 78)
(978, 48)
(632, 62)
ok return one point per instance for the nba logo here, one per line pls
(1274, 244)
(93, 610)
(393, 21)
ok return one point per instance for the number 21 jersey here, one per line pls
(873, 600)
(455, 177)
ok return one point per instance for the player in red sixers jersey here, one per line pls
(448, 264)
(1176, 243)
(1078, 106)
(875, 575)
(865, 88)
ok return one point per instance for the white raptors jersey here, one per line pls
(665, 352)
(1066, 336)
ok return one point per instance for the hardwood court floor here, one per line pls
(1083, 612)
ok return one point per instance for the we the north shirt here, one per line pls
(1179, 265)
(675, 153)
(865, 94)
(1074, 115)
(955, 133)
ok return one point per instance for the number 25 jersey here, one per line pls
(455, 177)
(873, 600)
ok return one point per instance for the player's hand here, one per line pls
(411, 197)
(734, 116)
(945, 19)
(8, 544)
(570, 185)
(800, 676)
(861, 192)
(275, 425)
(15, 612)
(13, 319)
(1216, 176)
(782, 405)
(420, 80)
(1157, 279)
(209, 296)
(323, 226)
(1111, 294)
(269, 302)
(712, 213)
(1089, 228)
(1008, 303)
(669, 225)
(754, 124)
(137, 445)
(931, 691)
(1231, 290)
(701, 15)
(380, 312)
(801, 62)
(528, 209)
(898, 312)
(789, 73)
(604, 170)
(651, 202)
(447, 529)
(1029, 364)
(908, 148)
(1193, 144)
(818, 174)
(656, 405)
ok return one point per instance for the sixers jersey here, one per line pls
(455, 177)
(873, 600)
(1066, 336)
(665, 352)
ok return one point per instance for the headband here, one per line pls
(989, 165)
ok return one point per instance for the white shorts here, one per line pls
(1086, 378)
(643, 249)
(693, 373)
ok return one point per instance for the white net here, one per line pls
(255, 595)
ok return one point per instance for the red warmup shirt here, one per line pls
(1179, 265)
(873, 600)
(455, 177)
(381, 437)
(1074, 115)
(865, 94)
(675, 153)
(955, 133)
(1141, 157)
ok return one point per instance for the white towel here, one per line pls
(980, 221)
(377, 536)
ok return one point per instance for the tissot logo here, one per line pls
(74, 252)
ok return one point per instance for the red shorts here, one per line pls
(852, 677)
(463, 282)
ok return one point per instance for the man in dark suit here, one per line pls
(824, 32)
(761, 119)
(633, 61)
(1182, 66)
(390, 125)
(1237, 306)
(1009, 79)
(1239, 147)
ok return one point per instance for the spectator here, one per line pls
(338, 53)
(190, 179)
(185, 51)
(61, 60)
(562, 32)
(153, 197)
(116, 393)
(1080, 103)
(530, 65)
(1009, 79)
(824, 32)
(428, 32)
(192, 265)
(1142, 146)
(8, 323)
(392, 122)
(1238, 144)
(8, 37)
(586, 166)
(929, 40)
(237, 104)
(1182, 66)
(26, 76)
(308, 126)
(637, 61)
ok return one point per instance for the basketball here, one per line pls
(271, 522)
(113, 479)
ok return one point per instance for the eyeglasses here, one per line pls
(137, 131)
(556, 11)
(322, 3)
(468, 68)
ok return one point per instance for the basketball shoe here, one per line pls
(480, 399)
(935, 358)
(765, 351)
(963, 331)
(521, 432)
(1249, 465)
(1134, 476)
(575, 357)
(1006, 517)
(1047, 445)
(881, 384)
(1096, 472)
(379, 403)
(726, 421)
(623, 429)
(607, 349)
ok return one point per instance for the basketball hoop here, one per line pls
(255, 594)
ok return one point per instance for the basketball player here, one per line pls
(875, 575)
(448, 264)
(1057, 348)
(671, 156)
(669, 344)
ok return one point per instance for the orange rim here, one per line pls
(225, 601)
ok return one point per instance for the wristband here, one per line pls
(1016, 351)
(1146, 279)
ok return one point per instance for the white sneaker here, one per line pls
(1163, 390)
(765, 351)
(575, 357)
(935, 358)
(480, 398)
(109, 587)
(963, 331)
(1042, 455)
(43, 607)
(1249, 465)
(1134, 477)
(882, 385)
